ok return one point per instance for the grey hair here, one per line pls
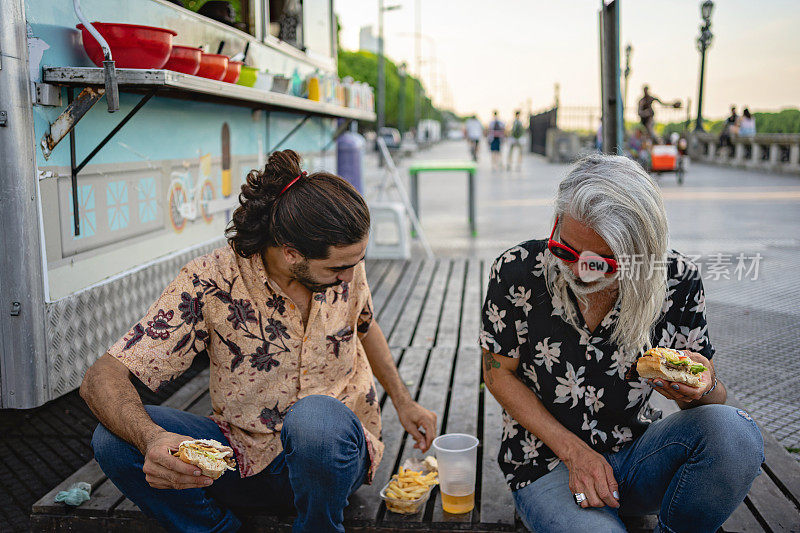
(615, 197)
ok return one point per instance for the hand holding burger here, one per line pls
(165, 468)
(679, 375)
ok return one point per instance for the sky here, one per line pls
(500, 54)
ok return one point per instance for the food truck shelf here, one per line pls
(177, 85)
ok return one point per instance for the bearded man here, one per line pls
(564, 321)
(285, 314)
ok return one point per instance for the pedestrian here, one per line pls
(515, 141)
(647, 113)
(729, 129)
(473, 131)
(564, 322)
(747, 124)
(285, 314)
(495, 135)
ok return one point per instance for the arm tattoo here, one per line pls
(489, 362)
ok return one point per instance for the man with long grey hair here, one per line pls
(564, 320)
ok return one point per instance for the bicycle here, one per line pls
(187, 199)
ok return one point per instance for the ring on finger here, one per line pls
(579, 497)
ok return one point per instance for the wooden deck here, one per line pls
(429, 311)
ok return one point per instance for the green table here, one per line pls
(445, 166)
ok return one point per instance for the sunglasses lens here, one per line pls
(561, 253)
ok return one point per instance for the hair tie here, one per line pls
(303, 173)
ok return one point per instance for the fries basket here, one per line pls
(405, 506)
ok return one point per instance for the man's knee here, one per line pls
(732, 435)
(318, 423)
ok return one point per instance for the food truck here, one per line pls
(113, 177)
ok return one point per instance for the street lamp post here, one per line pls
(381, 89)
(626, 74)
(703, 43)
(401, 103)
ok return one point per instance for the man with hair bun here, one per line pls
(564, 322)
(285, 315)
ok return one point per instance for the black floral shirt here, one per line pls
(263, 357)
(578, 375)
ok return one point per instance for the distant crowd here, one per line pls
(496, 135)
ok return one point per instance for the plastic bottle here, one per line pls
(313, 86)
(296, 84)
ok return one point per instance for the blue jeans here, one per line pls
(324, 460)
(693, 468)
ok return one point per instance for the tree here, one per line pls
(363, 66)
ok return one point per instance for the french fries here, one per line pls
(406, 488)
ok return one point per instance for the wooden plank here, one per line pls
(450, 322)
(365, 503)
(94, 524)
(202, 406)
(102, 502)
(90, 473)
(462, 417)
(497, 504)
(128, 509)
(779, 465)
(409, 318)
(433, 396)
(742, 521)
(471, 305)
(187, 394)
(425, 333)
(390, 280)
(396, 301)
(777, 511)
(376, 273)
(370, 264)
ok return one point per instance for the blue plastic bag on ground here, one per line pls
(76, 494)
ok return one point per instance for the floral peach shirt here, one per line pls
(263, 359)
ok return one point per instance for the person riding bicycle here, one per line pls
(473, 132)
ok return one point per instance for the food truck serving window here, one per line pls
(231, 12)
(286, 21)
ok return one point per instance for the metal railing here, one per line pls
(775, 152)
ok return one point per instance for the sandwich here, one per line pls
(670, 365)
(212, 457)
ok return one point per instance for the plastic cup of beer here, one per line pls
(457, 455)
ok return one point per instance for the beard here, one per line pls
(580, 287)
(302, 273)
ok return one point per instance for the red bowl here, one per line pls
(234, 69)
(213, 66)
(132, 46)
(184, 59)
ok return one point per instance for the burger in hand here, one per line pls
(210, 456)
(670, 365)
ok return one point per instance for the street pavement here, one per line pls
(740, 225)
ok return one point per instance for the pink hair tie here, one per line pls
(304, 173)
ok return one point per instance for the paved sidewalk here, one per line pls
(753, 322)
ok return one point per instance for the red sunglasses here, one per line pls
(568, 255)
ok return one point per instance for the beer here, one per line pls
(458, 504)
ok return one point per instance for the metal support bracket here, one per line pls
(289, 135)
(75, 167)
(75, 111)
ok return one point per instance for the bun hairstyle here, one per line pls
(318, 211)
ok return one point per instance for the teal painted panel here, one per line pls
(148, 205)
(117, 205)
(88, 215)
